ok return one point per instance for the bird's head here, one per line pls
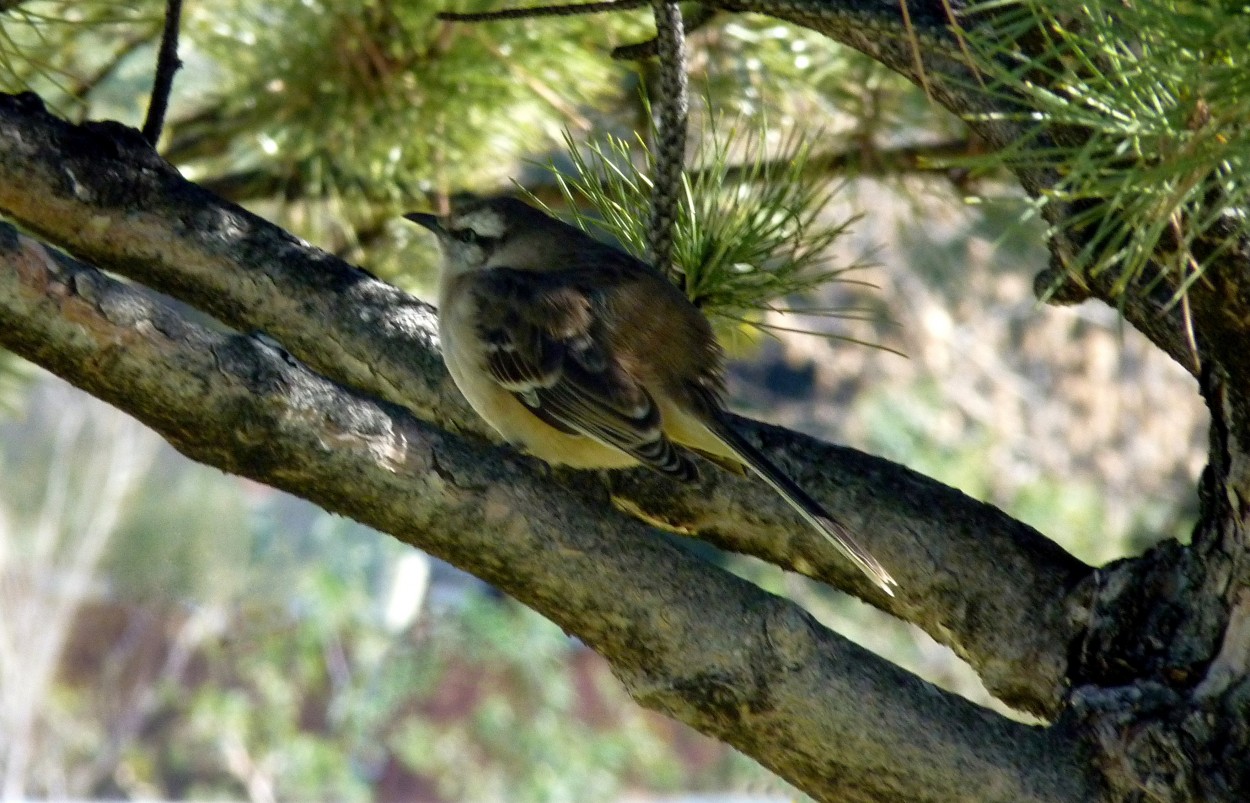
(480, 233)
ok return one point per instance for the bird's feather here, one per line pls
(808, 508)
(543, 344)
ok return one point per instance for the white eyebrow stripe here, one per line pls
(486, 222)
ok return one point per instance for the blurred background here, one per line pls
(170, 632)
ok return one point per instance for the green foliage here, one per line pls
(342, 113)
(380, 102)
(300, 695)
(487, 704)
(1073, 509)
(1155, 95)
(748, 235)
(167, 548)
(760, 68)
(65, 48)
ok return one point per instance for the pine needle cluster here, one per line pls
(754, 226)
(383, 98)
(1155, 94)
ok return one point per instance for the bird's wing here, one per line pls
(543, 343)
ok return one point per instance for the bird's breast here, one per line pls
(465, 356)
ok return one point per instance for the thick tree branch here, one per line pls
(686, 638)
(1158, 620)
(1006, 599)
(110, 199)
(1002, 595)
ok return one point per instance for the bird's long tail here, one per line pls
(811, 511)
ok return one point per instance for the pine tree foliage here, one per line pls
(1156, 95)
(333, 117)
(384, 100)
(65, 51)
(754, 227)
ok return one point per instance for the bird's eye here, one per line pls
(466, 235)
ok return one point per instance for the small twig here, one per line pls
(167, 63)
(557, 10)
(904, 160)
(649, 49)
(909, 159)
(547, 93)
(958, 32)
(1185, 259)
(672, 105)
(674, 108)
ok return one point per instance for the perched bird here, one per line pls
(584, 356)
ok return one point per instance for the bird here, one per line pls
(582, 355)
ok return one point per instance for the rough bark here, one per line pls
(1141, 665)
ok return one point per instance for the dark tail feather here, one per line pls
(811, 511)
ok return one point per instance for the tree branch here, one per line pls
(1003, 596)
(686, 638)
(1155, 623)
(167, 63)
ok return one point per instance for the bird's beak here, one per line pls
(428, 221)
